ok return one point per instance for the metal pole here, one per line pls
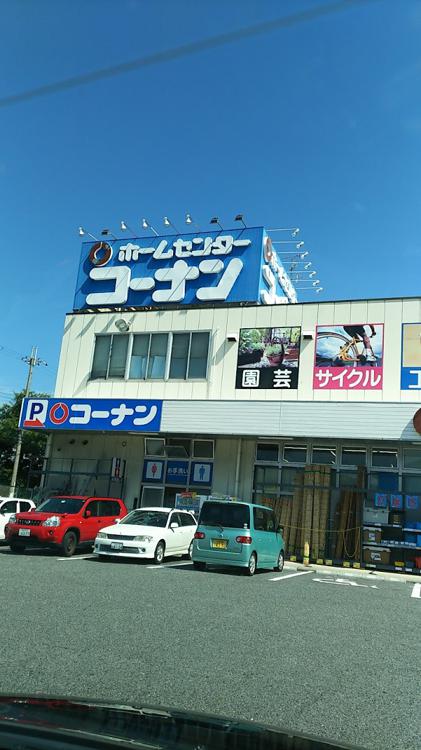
(31, 362)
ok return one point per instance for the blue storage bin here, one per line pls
(410, 538)
(419, 540)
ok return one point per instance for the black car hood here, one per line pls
(45, 723)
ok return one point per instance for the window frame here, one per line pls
(168, 356)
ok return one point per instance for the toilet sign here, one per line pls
(201, 472)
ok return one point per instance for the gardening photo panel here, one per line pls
(268, 358)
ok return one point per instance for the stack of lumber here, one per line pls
(305, 516)
(348, 520)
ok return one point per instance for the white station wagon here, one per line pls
(150, 533)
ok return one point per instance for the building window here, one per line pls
(295, 454)
(383, 481)
(412, 458)
(198, 360)
(157, 356)
(290, 477)
(385, 459)
(154, 447)
(267, 452)
(118, 357)
(203, 448)
(324, 455)
(411, 484)
(354, 457)
(139, 358)
(266, 483)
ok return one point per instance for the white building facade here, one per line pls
(248, 395)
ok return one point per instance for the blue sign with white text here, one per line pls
(91, 414)
(177, 472)
(235, 265)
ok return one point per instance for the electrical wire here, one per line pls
(183, 50)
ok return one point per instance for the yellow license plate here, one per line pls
(219, 543)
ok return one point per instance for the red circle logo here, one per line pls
(268, 249)
(100, 253)
(59, 413)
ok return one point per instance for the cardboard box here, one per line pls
(376, 555)
(376, 515)
(372, 536)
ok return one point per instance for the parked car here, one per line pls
(64, 522)
(11, 505)
(240, 534)
(148, 533)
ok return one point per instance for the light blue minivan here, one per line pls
(240, 534)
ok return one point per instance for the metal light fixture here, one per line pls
(125, 227)
(319, 289)
(168, 223)
(215, 220)
(240, 217)
(83, 231)
(316, 283)
(304, 254)
(299, 244)
(122, 325)
(146, 225)
(107, 232)
(313, 273)
(308, 265)
(295, 231)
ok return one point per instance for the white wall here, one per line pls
(79, 336)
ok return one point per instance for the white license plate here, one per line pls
(24, 532)
(117, 546)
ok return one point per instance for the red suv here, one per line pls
(65, 521)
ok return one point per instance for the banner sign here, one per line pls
(91, 414)
(201, 472)
(411, 357)
(268, 358)
(235, 265)
(349, 357)
(177, 472)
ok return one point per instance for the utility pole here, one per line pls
(32, 361)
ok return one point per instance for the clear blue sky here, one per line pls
(316, 125)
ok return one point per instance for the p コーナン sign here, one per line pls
(90, 414)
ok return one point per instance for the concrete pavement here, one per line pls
(325, 654)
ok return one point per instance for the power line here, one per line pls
(184, 50)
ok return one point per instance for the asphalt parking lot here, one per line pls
(336, 656)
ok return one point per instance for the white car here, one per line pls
(11, 505)
(150, 533)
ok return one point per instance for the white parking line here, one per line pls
(167, 565)
(72, 559)
(291, 575)
(416, 591)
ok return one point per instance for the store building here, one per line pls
(188, 365)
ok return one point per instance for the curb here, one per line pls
(355, 572)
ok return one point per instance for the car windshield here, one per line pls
(61, 505)
(233, 515)
(147, 518)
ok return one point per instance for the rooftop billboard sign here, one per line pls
(237, 265)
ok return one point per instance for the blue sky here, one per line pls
(316, 125)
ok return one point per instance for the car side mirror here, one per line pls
(117, 520)
(280, 529)
(88, 513)
(174, 525)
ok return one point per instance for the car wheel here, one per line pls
(190, 551)
(69, 543)
(17, 548)
(159, 553)
(199, 565)
(280, 564)
(251, 567)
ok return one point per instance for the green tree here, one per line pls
(33, 444)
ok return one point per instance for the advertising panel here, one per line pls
(233, 265)
(91, 414)
(177, 472)
(349, 357)
(268, 358)
(411, 357)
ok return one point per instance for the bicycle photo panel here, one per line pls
(349, 357)
(268, 358)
